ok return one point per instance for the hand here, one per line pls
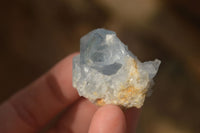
(34, 107)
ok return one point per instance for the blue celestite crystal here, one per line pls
(105, 72)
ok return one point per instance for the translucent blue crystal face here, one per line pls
(103, 51)
(105, 72)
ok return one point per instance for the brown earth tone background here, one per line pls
(36, 34)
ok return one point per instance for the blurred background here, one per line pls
(36, 34)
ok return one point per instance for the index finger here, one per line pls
(132, 117)
(30, 109)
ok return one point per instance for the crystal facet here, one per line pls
(106, 72)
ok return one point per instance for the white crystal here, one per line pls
(105, 72)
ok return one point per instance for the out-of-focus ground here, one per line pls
(35, 34)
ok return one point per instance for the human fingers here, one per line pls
(30, 109)
(107, 119)
(77, 118)
(132, 116)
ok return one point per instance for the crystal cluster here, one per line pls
(106, 72)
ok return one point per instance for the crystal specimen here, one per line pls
(105, 72)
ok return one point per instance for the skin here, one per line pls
(31, 109)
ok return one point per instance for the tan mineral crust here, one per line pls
(106, 72)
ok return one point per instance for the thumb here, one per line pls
(107, 119)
